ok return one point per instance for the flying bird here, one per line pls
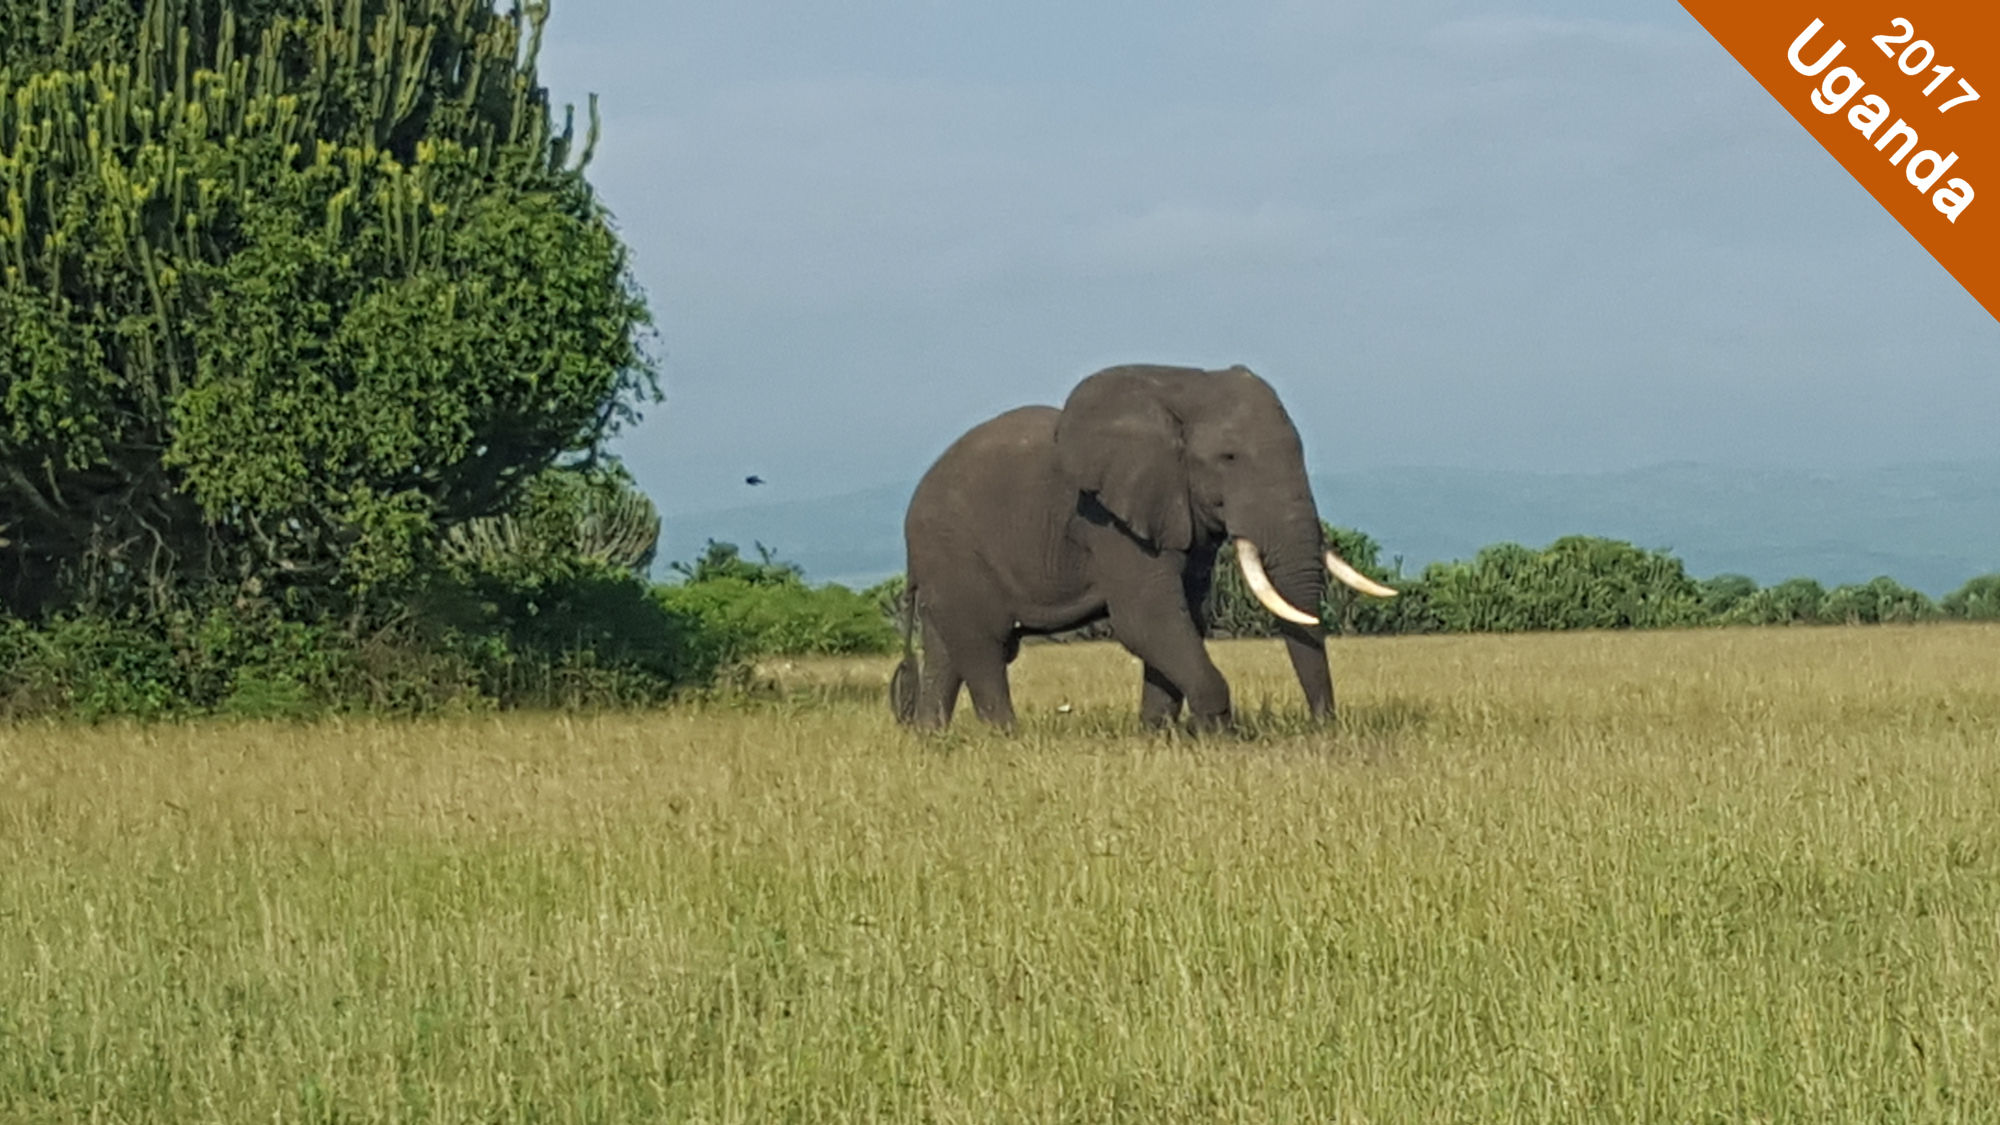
(753, 479)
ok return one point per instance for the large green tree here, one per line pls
(286, 288)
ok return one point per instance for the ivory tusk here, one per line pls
(1355, 578)
(1260, 585)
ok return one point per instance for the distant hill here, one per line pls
(1929, 526)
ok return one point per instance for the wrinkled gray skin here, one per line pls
(1042, 520)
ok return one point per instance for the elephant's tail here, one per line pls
(903, 685)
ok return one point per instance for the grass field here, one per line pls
(1742, 876)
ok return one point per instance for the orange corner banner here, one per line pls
(1905, 94)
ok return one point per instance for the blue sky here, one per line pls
(1530, 235)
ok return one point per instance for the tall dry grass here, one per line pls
(1706, 876)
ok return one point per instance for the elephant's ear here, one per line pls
(1117, 439)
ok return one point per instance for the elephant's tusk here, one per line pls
(1260, 585)
(1355, 578)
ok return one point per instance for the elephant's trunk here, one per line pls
(1252, 564)
(1281, 550)
(1288, 547)
(1299, 574)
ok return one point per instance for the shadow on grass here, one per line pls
(1369, 730)
(1372, 732)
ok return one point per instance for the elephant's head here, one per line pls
(1180, 456)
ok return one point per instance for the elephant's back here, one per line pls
(996, 483)
(1022, 439)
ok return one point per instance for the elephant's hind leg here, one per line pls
(979, 657)
(903, 684)
(983, 663)
(938, 684)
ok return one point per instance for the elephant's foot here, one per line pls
(991, 700)
(1159, 701)
(1223, 722)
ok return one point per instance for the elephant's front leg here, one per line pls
(1159, 697)
(1151, 619)
(1306, 645)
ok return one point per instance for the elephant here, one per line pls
(1113, 506)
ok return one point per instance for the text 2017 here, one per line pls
(1919, 54)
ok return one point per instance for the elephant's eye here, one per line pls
(1228, 457)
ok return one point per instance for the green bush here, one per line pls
(229, 664)
(578, 636)
(1795, 601)
(785, 619)
(1724, 592)
(544, 615)
(574, 633)
(222, 661)
(765, 608)
(1977, 600)
(1576, 582)
(1880, 601)
(90, 668)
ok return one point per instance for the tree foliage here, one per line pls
(311, 333)
(725, 561)
(593, 517)
(286, 287)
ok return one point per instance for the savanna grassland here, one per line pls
(1717, 875)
